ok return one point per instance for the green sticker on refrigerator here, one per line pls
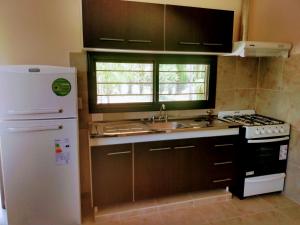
(61, 87)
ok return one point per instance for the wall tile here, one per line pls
(294, 108)
(291, 74)
(245, 98)
(272, 103)
(226, 73)
(294, 147)
(292, 185)
(225, 100)
(246, 73)
(270, 73)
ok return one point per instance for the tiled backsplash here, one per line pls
(278, 95)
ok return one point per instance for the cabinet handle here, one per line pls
(212, 44)
(185, 147)
(221, 181)
(159, 149)
(112, 39)
(140, 41)
(189, 43)
(223, 145)
(222, 163)
(119, 153)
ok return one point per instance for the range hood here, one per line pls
(261, 49)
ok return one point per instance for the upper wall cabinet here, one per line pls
(198, 29)
(116, 24)
(123, 25)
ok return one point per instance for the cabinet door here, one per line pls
(145, 26)
(218, 30)
(198, 29)
(190, 165)
(104, 23)
(112, 174)
(184, 31)
(153, 165)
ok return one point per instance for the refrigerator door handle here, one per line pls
(34, 129)
(34, 111)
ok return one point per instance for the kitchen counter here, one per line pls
(123, 132)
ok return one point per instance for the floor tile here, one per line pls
(251, 205)
(278, 201)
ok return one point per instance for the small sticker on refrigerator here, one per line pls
(283, 152)
(62, 151)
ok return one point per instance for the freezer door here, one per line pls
(37, 92)
(41, 172)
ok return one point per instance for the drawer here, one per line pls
(264, 184)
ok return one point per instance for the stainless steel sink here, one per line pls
(125, 128)
(165, 126)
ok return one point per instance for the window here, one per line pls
(136, 82)
(183, 82)
(124, 82)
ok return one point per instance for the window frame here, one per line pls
(156, 59)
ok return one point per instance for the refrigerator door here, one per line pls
(41, 171)
(37, 92)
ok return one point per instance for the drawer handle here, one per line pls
(212, 44)
(221, 181)
(140, 41)
(224, 145)
(159, 149)
(189, 43)
(223, 163)
(185, 147)
(119, 153)
(112, 39)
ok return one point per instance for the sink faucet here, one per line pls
(163, 115)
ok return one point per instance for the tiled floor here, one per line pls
(265, 210)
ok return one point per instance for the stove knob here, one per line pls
(269, 131)
(276, 131)
(263, 131)
(281, 130)
(257, 132)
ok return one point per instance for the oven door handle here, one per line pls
(268, 140)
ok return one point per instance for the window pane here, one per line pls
(183, 82)
(124, 82)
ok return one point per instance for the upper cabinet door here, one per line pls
(198, 29)
(123, 25)
(218, 30)
(145, 26)
(104, 23)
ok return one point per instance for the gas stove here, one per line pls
(256, 126)
(262, 155)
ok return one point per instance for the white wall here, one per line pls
(46, 31)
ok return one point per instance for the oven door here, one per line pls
(266, 156)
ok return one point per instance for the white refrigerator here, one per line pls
(39, 145)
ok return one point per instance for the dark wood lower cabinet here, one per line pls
(161, 168)
(112, 174)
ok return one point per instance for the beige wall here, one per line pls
(39, 31)
(46, 31)
(275, 20)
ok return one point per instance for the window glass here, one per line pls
(124, 82)
(183, 82)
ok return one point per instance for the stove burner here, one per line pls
(253, 120)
